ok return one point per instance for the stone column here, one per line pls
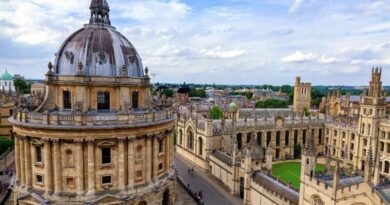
(148, 158)
(130, 159)
(91, 168)
(155, 157)
(27, 163)
(121, 163)
(167, 152)
(48, 167)
(79, 167)
(22, 163)
(17, 159)
(57, 166)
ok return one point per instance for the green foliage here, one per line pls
(197, 92)
(22, 86)
(271, 103)
(316, 96)
(297, 151)
(5, 144)
(167, 92)
(216, 113)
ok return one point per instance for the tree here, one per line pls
(216, 112)
(271, 103)
(5, 144)
(167, 92)
(197, 92)
(22, 86)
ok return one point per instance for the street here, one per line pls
(213, 194)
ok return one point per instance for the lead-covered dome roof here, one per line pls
(99, 48)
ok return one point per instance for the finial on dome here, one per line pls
(100, 12)
(146, 72)
(50, 67)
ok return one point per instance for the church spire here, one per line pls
(100, 12)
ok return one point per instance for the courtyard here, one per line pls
(289, 172)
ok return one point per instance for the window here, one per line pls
(139, 174)
(160, 146)
(39, 179)
(382, 146)
(180, 137)
(239, 141)
(303, 137)
(103, 101)
(268, 137)
(388, 148)
(295, 137)
(134, 99)
(38, 154)
(139, 152)
(160, 166)
(277, 138)
(352, 146)
(286, 138)
(259, 138)
(190, 140)
(387, 166)
(67, 99)
(106, 155)
(248, 137)
(200, 147)
(70, 182)
(106, 180)
(320, 136)
(316, 200)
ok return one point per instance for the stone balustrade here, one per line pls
(68, 118)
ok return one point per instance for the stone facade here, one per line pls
(94, 139)
(7, 103)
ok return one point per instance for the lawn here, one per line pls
(290, 172)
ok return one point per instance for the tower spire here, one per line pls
(100, 12)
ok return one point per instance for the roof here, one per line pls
(344, 181)
(276, 186)
(6, 76)
(223, 157)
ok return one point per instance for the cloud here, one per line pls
(327, 60)
(218, 53)
(295, 6)
(299, 57)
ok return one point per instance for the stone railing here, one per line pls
(93, 118)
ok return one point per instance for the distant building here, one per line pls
(7, 82)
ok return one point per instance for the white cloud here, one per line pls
(299, 57)
(218, 53)
(327, 60)
(295, 6)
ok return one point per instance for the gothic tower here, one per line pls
(302, 96)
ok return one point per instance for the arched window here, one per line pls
(142, 203)
(316, 200)
(387, 166)
(277, 138)
(134, 100)
(180, 137)
(200, 147)
(259, 138)
(286, 138)
(190, 140)
(160, 145)
(103, 101)
(239, 140)
(269, 137)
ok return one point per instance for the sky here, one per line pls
(326, 42)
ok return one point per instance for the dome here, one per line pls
(233, 105)
(6, 76)
(99, 49)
